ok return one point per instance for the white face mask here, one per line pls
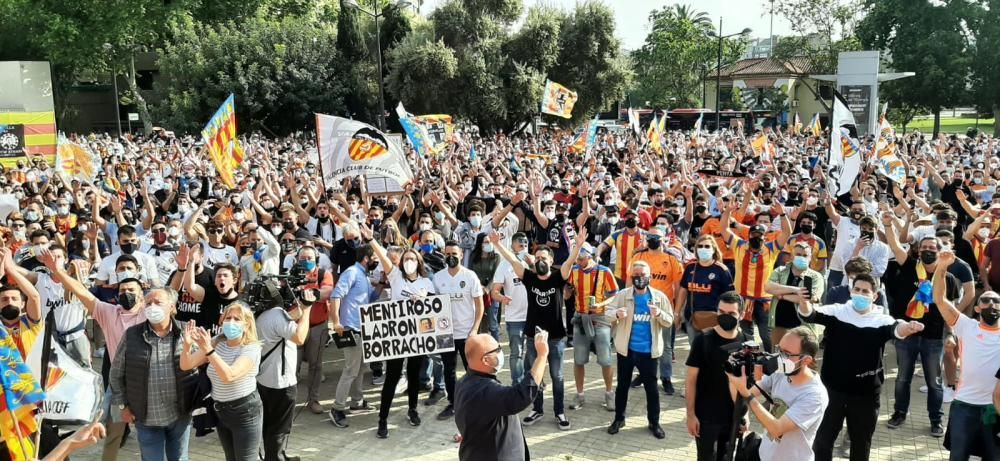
(409, 266)
(475, 220)
(425, 227)
(984, 232)
(500, 361)
(786, 366)
(155, 313)
(550, 215)
(613, 220)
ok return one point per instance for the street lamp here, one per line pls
(376, 14)
(718, 70)
(703, 67)
(109, 48)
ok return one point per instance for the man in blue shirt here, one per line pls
(639, 314)
(353, 290)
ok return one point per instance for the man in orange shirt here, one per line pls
(665, 275)
(754, 261)
(624, 242)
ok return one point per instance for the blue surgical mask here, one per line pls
(233, 330)
(705, 254)
(860, 302)
(800, 262)
(308, 265)
(427, 247)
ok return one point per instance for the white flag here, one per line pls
(633, 121)
(842, 117)
(351, 148)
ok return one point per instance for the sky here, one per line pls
(632, 16)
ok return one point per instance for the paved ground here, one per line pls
(314, 437)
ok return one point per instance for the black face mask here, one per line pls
(451, 261)
(793, 195)
(288, 225)
(542, 268)
(806, 228)
(990, 316)
(956, 182)
(756, 242)
(631, 223)
(128, 248)
(10, 312)
(640, 283)
(728, 322)
(373, 264)
(653, 244)
(657, 202)
(699, 209)
(128, 300)
(928, 257)
(323, 219)
(857, 215)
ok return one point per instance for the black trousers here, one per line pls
(712, 442)
(448, 359)
(861, 413)
(394, 369)
(647, 373)
(278, 414)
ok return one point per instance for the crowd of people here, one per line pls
(612, 253)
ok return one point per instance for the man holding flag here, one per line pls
(844, 149)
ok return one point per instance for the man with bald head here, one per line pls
(485, 410)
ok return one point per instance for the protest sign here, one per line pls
(406, 328)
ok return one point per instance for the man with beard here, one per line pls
(113, 320)
(128, 243)
(321, 226)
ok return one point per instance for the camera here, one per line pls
(269, 291)
(743, 360)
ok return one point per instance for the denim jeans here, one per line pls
(493, 319)
(515, 333)
(164, 443)
(240, 425)
(557, 347)
(760, 317)
(433, 372)
(930, 352)
(965, 425)
(666, 360)
(602, 346)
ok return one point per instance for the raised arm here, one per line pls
(567, 267)
(831, 211)
(33, 305)
(60, 275)
(891, 239)
(515, 263)
(948, 311)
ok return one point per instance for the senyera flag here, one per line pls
(558, 100)
(351, 148)
(76, 161)
(220, 139)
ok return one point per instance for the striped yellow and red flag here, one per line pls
(31, 132)
(220, 139)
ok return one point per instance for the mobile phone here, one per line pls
(808, 285)
(538, 330)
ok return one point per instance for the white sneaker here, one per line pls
(923, 389)
(577, 402)
(949, 394)
(379, 380)
(609, 400)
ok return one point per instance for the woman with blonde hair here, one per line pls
(702, 282)
(233, 362)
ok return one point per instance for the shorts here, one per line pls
(602, 345)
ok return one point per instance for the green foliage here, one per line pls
(824, 29)
(421, 73)
(983, 18)
(350, 44)
(280, 70)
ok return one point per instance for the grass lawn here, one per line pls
(948, 125)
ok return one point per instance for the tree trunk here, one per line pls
(996, 124)
(133, 87)
(937, 122)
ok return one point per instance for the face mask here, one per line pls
(288, 225)
(631, 223)
(308, 265)
(500, 361)
(277, 230)
(928, 257)
(977, 180)
(128, 300)
(475, 220)
(806, 228)
(155, 313)
(173, 232)
(990, 316)
(63, 210)
(542, 268)
(705, 254)
(679, 203)
(159, 238)
(425, 227)
(522, 254)
(728, 322)
(613, 221)
(84, 244)
(371, 266)
(756, 242)
(653, 244)
(232, 329)
(983, 232)
(550, 215)
(238, 217)
(21, 235)
(787, 366)
(812, 201)
(128, 248)
(32, 216)
(10, 312)
(640, 283)
(861, 303)
(409, 266)
(488, 247)
(800, 262)
(699, 209)
(451, 261)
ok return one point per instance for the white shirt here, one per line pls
(401, 288)
(506, 230)
(517, 310)
(68, 315)
(106, 271)
(274, 326)
(804, 405)
(327, 232)
(980, 359)
(213, 256)
(847, 235)
(463, 289)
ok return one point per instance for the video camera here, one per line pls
(269, 291)
(743, 360)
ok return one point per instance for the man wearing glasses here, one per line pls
(853, 376)
(216, 251)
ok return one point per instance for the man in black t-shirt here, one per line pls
(710, 406)
(189, 306)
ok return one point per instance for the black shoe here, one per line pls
(448, 412)
(339, 418)
(383, 429)
(203, 432)
(532, 418)
(636, 382)
(937, 430)
(435, 397)
(668, 387)
(657, 431)
(897, 420)
(615, 427)
(363, 406)
(413, 418)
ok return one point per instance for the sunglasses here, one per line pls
(215, 231)
(16, 226)
(494, 351)
(989, 300)
(159, 230)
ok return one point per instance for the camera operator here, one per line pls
(853, 376)
(319, 332)
(799, 399)
(709, 403)
(278, 328)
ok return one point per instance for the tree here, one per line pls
(825, 28)
(699, 18)
(927, 38)
(281, 71)
(984, 22)
(676, 49)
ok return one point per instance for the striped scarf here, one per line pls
(923, 296)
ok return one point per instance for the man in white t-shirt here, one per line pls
(800, 399)
(128, 243)
(216, 251)
(514, 297)
(462, 286)
(848, 231)
(505, 222)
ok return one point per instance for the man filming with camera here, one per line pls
(798, 399)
